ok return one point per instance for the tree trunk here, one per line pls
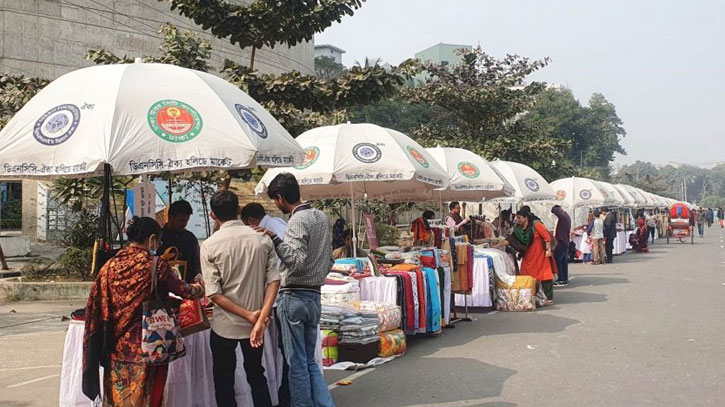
(251, 59)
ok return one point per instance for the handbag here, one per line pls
(192, 317)
(171, 255)
(161, 340)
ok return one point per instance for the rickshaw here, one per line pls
(678, 226)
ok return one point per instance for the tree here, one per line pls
(265, 22)
(484, 100)
(15, 92)
(594, 131)
(327, 68)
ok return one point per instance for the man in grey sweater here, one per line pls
(306, 257)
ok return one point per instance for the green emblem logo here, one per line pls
(311, 155)
(418, 157)
(174, 121)
(468, 170)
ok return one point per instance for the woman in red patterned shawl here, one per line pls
(112, 335)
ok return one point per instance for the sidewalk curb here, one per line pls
(16, 291)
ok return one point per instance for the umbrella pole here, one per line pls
(354, 225)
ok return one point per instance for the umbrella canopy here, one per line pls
(141, 118)
(528, 184)
(632, 200)
(470, 177)
(639, 199)
(616, 197)
(362, 160)
(578, 192)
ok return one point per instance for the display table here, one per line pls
(190, 381)
(620, 243)
(481, 293)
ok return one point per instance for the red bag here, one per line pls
(192, 317)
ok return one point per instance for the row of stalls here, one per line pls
(94, 123)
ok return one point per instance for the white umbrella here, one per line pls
(581, 192)
(614, 196)
(639, 199)
(362, 161)
(528, 184)
(470, 177)
(141, 118)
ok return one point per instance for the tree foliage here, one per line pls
(15, 92)
(327, 68)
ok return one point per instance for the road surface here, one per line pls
(646, 331)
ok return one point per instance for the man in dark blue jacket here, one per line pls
(610, 233)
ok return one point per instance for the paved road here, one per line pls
(646, 331)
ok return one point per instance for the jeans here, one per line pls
(701, 229)
(561, 255)
(652, 233)
(299, 316)
(609, 249)
(283, 391)
(224, 357)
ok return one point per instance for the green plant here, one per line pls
(82, 234)
(12, 214)
(387, 235)
(76, 261)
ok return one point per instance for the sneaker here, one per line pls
(561, 283)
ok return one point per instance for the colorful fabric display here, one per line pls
(347, 292)
(389, 316)
(379, 289)
(520, 296)
(433, 310)
(405, 281)
(392, 343)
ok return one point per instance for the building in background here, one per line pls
(48, 38)
(331, 51)
(442, 54)
(439, 54)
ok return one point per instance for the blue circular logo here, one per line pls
(57, 125)
(532, 184)
(367, 153)
(585, 194)
(254, 123)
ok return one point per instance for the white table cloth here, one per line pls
(481, 293)
(379, 289)
(190, 381)
(620, 243)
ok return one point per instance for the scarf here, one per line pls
(525, 236)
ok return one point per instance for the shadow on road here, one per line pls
(577, 298)
(428, 381)
(5, 403)
(593, 280)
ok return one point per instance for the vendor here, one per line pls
(346, 251)
(176, 239)
(503, 223)
(455, 221)
(422, 232)
(531, 237)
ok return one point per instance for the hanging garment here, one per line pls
(408, 300)
(433, 311)
(422, 300)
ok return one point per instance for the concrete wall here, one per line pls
(48, 38)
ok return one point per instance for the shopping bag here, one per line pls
(192, 317)
(161, 340)
(171, 255)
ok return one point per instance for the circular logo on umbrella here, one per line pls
(561, 194)
(252, 120)
(468, 170)
(367, 153)
(531, 184)
(418, 157)
(57, 124)
(311, 155)
(585, 194)
(174, 121)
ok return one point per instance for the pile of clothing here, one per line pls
(340, 289)
(392, 338)
(360, 328)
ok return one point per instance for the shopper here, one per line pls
(610, 233)
(651, 221)
(422, 233)
(597, 237)
(113, 318)
(306, 255)
(254, 214)
(701, 221)
(241, 277)
(176, 238)
(531, 237)
(561, 251)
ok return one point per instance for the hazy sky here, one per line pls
(659, 62)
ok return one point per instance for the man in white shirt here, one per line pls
(455, 221)
(254, 214)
